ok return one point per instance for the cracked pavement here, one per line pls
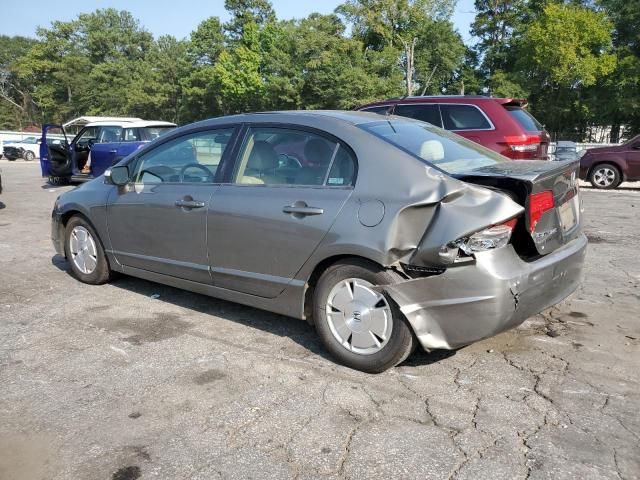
(109, 382)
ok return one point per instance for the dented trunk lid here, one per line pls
(524, 178)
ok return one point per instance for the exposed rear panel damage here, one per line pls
(452, 305)
(496, 292)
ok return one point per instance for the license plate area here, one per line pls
(568, 214)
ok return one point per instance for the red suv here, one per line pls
(501, 124)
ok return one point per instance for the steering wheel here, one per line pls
(210, 176)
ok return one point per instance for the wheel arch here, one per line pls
(68, 215)
(320, 268)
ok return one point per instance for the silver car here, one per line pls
(383, 233)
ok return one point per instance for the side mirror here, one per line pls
(118, 175)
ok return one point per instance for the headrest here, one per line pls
(262, 157)
(432, 151)
(318, 152)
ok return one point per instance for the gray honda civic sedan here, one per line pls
(382, 232)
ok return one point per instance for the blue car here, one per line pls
(100, 143)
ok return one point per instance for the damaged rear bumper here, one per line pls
(497, 292)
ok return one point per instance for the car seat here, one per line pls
(317, 154)
(432, 151)
(261, 165)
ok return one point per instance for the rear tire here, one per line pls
(364, 316)
(84, 251)
(605, 176)
(29, 155)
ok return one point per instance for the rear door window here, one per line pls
(524, 118)
(463, 117)
(425, 113)
(131, 135)
(284, 156)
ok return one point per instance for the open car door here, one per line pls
(55, 156)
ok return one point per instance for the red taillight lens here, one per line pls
(523, 143)
(539, 203)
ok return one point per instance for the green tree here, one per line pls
(247, 12)
(497, 25)
(617, 97)
(439, 52)
(86, 65)
(569, 48)
(16, 102)
(237, 76)
(417, 29)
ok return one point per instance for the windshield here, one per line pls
(29, 140)
(151, 133)
(447, 151)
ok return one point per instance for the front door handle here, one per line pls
(189, 204)
(301, 209)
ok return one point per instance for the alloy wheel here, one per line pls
(604, 177)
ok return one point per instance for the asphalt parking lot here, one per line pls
(137, 380)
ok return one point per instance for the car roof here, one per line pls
(449, 99)
(84, 120)
(285, 116)
(131, 124)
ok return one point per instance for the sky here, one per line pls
(176, 17)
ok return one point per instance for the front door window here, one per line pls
(193, 158)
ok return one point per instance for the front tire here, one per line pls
(84, 252)
(362, 328)
(29, 155)
(605, 176)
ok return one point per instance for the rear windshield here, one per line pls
(447, 151)
(525, 119)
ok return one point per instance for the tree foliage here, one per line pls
(577, 61)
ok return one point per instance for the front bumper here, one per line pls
(57, 232)
(497, 292)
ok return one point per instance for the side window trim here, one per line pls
(492, 126)
(333, 157)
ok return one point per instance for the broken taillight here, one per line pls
(495, 236)
(490, 238)
(539, 203)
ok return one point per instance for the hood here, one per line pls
(608, 149)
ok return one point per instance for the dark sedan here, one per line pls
(608, 167)
(384, 233)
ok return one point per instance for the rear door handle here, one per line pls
(189, 204)
(302, 211)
